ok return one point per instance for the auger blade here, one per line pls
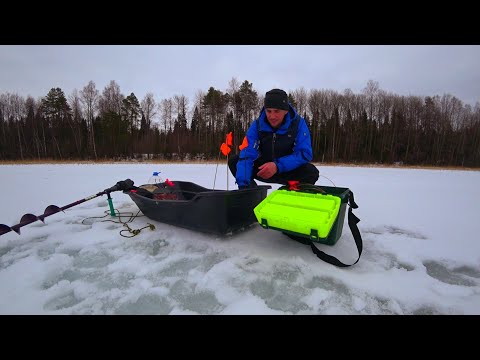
(51, 209)
(28, 218)
(4, 229)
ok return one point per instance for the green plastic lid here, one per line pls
(299, 212)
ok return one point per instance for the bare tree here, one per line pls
(201, 113)
(17, 108)
(166, 117)
(89, 98)
(314, 105)
(148, 106)
(371, 93)
(3, 120)
(334, 122)
(233, 86)
(32, 125)
(111, 99)
(300, 96)
(75, 120)
(415, 109)
(235, 104)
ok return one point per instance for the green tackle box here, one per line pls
(305, 214)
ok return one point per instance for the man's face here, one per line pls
(275, 116)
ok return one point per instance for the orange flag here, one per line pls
(225, 149)
(244, 143)
(229, 139)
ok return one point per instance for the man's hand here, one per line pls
(267, 170)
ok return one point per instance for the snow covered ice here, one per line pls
(419, 227)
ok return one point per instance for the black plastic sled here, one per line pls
(194, 207)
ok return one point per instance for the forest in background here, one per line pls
(372, 127)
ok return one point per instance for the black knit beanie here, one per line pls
(276, 99)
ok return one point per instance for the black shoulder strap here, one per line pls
(352, 223)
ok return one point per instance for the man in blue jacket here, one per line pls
(276, 148)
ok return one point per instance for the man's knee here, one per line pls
(232, 164)
(313, 169)
(311, 173)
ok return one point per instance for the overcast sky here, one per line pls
(168, 70)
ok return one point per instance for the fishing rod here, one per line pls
(53, 209)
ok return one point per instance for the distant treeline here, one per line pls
(371, 127)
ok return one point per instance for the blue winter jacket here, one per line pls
(300, 154)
